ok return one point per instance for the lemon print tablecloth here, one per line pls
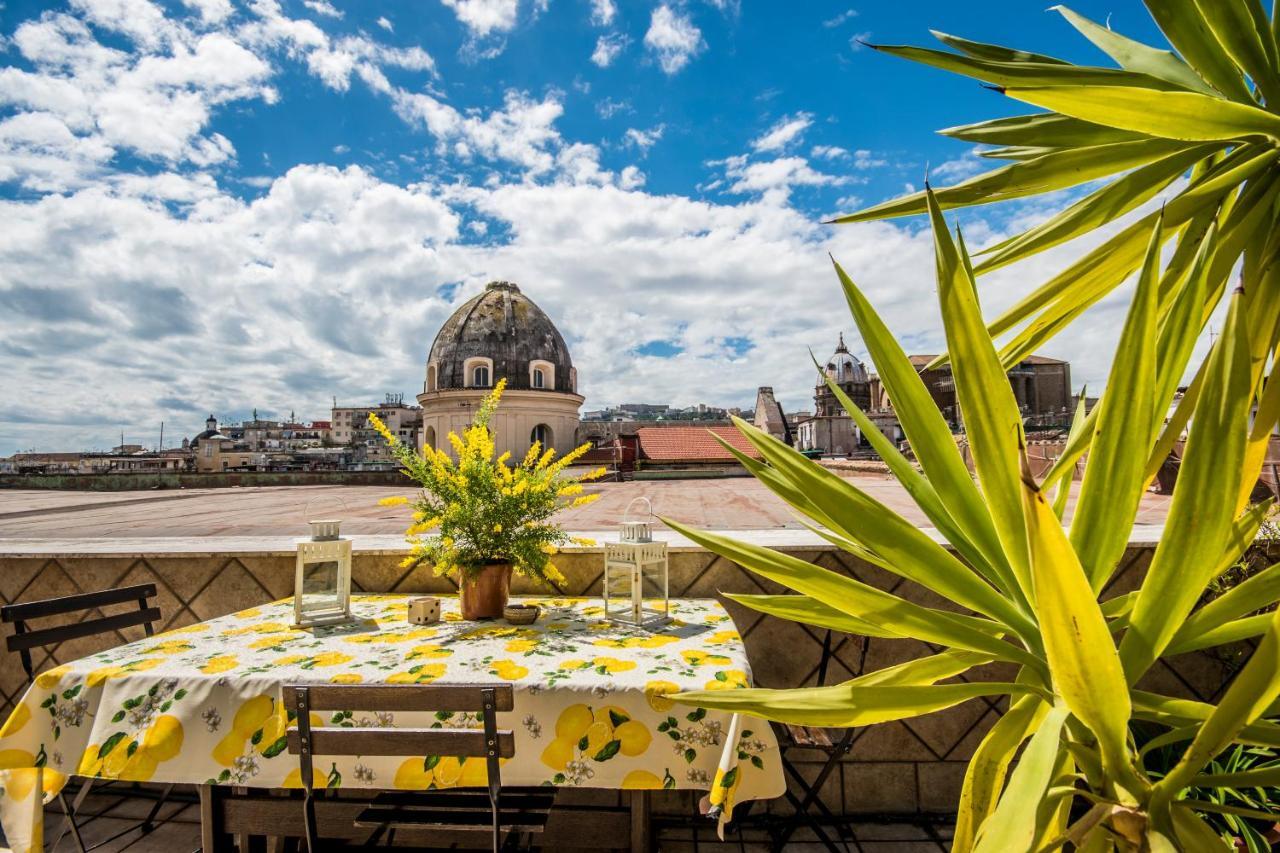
(202, 704)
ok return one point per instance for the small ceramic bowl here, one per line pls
(521, 614)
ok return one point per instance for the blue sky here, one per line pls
(213, 205)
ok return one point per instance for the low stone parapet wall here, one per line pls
(903, 767)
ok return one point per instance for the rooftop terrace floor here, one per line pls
(722, 504)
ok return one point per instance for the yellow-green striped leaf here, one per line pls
(993, 423)
(1057, 170)
(1187, 116)
(1202, 512)
(1254, 688)
(1188, 32)
(856, 598)
(1113, 483)
(1083, 661)
(1135, 56)
(1013, 825)
(845, 704)
(1049, 130)
(929, 436)
(988, 766)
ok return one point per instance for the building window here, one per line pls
(539, 378)
(431, 378)
(542, 435)
(480, 376)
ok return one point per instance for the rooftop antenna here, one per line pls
(161, 436)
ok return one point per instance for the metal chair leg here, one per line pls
(72, 809)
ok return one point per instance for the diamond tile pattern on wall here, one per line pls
(905, 767)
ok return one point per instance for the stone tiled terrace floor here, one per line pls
(723, 504)
(181, 833)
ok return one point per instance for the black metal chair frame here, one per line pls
(513, 810)
(24, 639)
(835, 750)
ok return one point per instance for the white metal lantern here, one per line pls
(322, 582)
(635, 574)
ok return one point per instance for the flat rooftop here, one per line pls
(739, 503)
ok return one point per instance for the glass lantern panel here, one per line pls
(320, 585)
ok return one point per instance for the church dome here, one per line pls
(500, 334)
(844, 367)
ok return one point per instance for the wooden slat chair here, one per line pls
(510, 812)
(92, 622)
(834, 744)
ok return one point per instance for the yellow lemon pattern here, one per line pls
(204, 703)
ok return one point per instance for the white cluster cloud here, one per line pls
(482, 17)
(643, 139)
(608, 48)
(788, 129)
(85, 101)
(603, 12)
(673, 39)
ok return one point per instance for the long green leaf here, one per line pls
(1016, 73)
(1066, 463)
(985, 775)
(993, 423)
(1113, 484)
(1104, 205)
(1188, 32)
(858, 599)
(1013, 825)
(1193, 833)
(919, 488)
(810, 611)
(1260, 777)
(907, 550)
(845, 704)
(1202, 513)
(1242, 29)
(998, 53)
(1136, 56)
(1103, 268)
(929, 436)
(1185, 713)
(1186, 116)
(1039, 129)
(1221, 635)
(1256, 687)
(1057, 170)
(925, 670)
(1255, 593)
(1083, 660)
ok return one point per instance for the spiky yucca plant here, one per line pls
(1030, 588)
(1202, 126)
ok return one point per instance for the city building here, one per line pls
(830, 429)
(501, 334)
(1041, 386)
(350, 426)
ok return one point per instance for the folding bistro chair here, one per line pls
(834, 744)
(508, 812)
(90, 623)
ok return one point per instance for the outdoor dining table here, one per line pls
(202, 705)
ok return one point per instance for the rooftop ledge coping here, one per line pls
(785, 539)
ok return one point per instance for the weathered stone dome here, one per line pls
(505, 326)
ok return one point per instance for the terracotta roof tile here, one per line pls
(691, 444)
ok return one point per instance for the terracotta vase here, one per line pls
(486, 594)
